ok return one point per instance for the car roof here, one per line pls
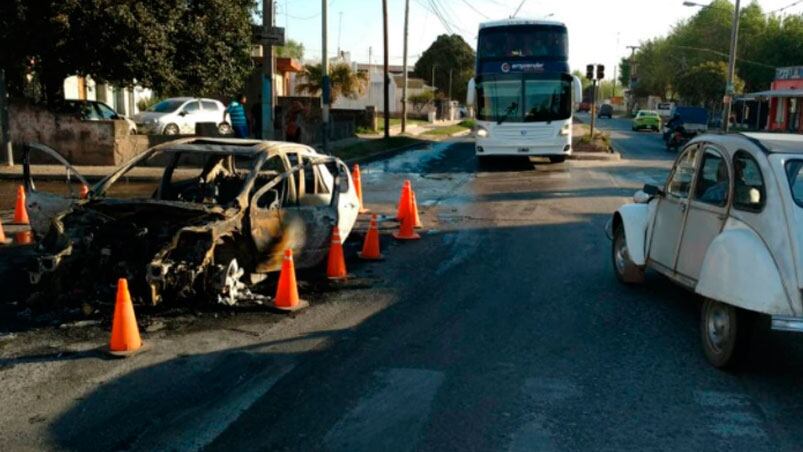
(777, 142)
(232, 146)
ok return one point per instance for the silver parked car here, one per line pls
(727, 225)
(179, 115)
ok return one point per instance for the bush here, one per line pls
(148, 102)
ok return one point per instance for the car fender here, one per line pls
(634, 218)
(738, 269)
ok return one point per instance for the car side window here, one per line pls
(209, 105)
(106, 112)
(713, 182)
(192, 107)
(748, 185)
(679, 183)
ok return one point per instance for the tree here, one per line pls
(703, 84)
(343, 81)
(171, 46)
(583, 80)
(421, 100)
(291, 49)
(448, 52)
(624, 72)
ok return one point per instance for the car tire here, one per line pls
(224, 128)
(171, 129)
(626, 271)
(483, 161)
(557, 158)
(725, 331)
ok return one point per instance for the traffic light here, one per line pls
(590, 72)
(600, 71)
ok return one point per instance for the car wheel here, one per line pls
(557, 158)
(724, 330)
(171, 129)
(230, 287)
(224, 129)
(626, 271)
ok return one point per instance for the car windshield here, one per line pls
(538, 41)
(166, 106)
(524, 98)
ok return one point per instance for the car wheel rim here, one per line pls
(718, 327)
(232, 287)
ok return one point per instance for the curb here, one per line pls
(600, 156)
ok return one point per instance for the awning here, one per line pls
(774, 93)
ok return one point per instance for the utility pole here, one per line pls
(433, 78)
(370, 74)
(5, 134)
(267, 70)
(729, 89)
(339, 31)
(404, 68)
(387, 77)
(632, 73)
(325, 95)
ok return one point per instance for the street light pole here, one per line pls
(729, 89)
(325, 94)
(404, 68)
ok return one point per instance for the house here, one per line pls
(122, 100)
(785, 97)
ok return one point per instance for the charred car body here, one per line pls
(220, 219)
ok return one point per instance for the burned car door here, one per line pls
(316, 211)
(266, 212)
(44, 205)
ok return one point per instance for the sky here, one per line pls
(599, 31)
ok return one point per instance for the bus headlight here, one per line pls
(564, 131)
(481, 132)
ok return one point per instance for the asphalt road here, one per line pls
(502, 329)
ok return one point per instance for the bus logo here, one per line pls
(505, 67)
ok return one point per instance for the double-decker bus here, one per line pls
(522, 90)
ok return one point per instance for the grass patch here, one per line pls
(449, 130)
(467, 123)
(394, 122)
(583, 142)
(374, 146)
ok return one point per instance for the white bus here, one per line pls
(522, 90)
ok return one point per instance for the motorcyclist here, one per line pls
(674, 123)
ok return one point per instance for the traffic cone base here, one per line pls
(23, 237)
(125, 339)
(399, 236)
(3, 239)
(364, 257)
(300, 304)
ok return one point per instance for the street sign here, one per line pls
(273, 37)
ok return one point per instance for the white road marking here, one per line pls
(390, 418)
(731, 414)
(534, 434)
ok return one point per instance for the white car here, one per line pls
(178, 115)
(727, 225)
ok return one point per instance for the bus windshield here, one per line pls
(524, 98)
(526, 41)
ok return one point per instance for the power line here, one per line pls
(785, 7)
(475, 9)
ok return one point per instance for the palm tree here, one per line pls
(344, 82)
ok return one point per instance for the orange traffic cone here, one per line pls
(357, 178)
(125, 338)
(23, 237)
(84, 191)
(404, 201)
(416, 218)
(407, 227)
(370, 248)
(336, 265)
(20, 212)
(287, 290)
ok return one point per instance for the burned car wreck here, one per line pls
(219, 221)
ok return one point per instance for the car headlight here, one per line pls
(564, 131)
(482, 132)
(155, 121)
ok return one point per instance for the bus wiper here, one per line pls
(510, 108)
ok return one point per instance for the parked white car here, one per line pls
(728, 225)
(178, 115)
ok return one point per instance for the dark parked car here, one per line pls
(94, 110)
(605, 111)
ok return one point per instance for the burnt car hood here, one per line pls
(100, 241)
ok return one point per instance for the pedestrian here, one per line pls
(237, 119)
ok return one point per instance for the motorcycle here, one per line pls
(677, 137)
